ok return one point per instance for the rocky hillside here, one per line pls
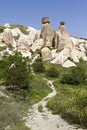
(56, 46)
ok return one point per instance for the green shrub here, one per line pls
(69, 58)
(75, 76)
(2, 29)
(38, 66)
(52, 72)
(71, 103)
(81, 60)
(16, 72)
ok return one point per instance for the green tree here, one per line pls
(17, 71)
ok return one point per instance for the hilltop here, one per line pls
(56, 46)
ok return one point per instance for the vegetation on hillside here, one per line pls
(23, 90)
(71, 99)
(38, 66)
(22, 28)
(2, 29)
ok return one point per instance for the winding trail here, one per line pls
(46, 120)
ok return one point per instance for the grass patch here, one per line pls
(11, 111)
(14, 108)
(38, 89)
(70, 102)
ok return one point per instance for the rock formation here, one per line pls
(7, 36)
(56, 46)
(64, 38)
(46, 53)
(47, 33)
(38, 44)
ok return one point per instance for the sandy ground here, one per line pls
(46, 120)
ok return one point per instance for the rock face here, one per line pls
(68, 63)
(38, 44)
(46, 53)
(23, 42)
(56, 46)
(64, 38)
(61, 57)
(16, 32)
(47, 33)
(7, 36)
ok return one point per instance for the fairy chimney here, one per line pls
(47, 33)
(64, 38)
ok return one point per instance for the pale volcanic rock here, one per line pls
(68, 64)
(38, 44)
(7, 36)
(46, 53)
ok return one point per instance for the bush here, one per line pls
(52, 72)
(70, 102)
(2, 29)
(38, 66)
(16, 71)
(75, 76)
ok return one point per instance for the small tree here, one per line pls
(17, 71)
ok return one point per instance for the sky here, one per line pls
(30, 13)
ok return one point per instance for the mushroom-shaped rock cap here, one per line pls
(45, 20)
(62, 23)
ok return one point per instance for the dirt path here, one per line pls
(45, 120)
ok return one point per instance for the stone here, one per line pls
(16, 32)
(7, 36)
(23, 42)
(46, 53)
(37, 45)
(45, 20)
(37, 35)
(61, 57)
(68, 64)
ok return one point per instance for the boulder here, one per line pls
(82, 48)
(23, 42)
(31, 36)
(68, 63)
(7, 36)
(25, 53)
(16, 32)
(37, 35)
(38, 44)
(45, 20)
(61, 57)
(46, 53)
(76, 55)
